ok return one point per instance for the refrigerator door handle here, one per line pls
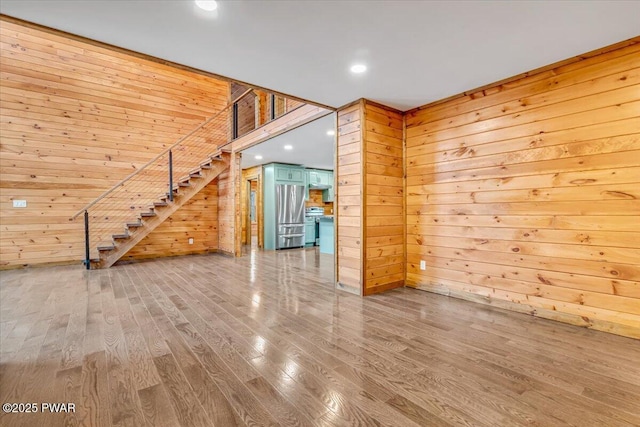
(291, 236)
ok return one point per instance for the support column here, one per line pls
(229, 212)
(370, 214)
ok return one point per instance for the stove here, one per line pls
(314, 211)
(311, 217)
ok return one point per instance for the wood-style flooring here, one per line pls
(266, 340)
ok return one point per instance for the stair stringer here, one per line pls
(148, 224)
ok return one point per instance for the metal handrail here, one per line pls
(150, 162)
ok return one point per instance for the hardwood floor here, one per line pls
(266, 340)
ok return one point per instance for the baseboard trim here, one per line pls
(573, 319)
(384, 287)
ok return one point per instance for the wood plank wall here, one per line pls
(370, 198)
(301, 116)
(75, 118)
(292, 104)
(248, 109)
(197, 219)
(526, 195)
(315, 201)
(384, 232)
(348, 212)
(229, 210)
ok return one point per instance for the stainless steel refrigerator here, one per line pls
(289, 216)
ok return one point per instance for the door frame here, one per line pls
(247, 201)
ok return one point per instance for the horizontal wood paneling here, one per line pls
(292, 104)
(300, 116)
(247, 107)
(370, 200)
(315, 200)
(229, 209)
(197, 219)
(384, 198)
(349, 193)
(76, 118)
(527, 194)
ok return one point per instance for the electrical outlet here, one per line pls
(423, 264)
(19, 203)
(191, 240)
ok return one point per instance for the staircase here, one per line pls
(122, 216)
(161, 209)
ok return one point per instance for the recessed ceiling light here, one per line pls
(258, 157)
(288, 147)
(358, 68)
(208, 5)
(331, 132)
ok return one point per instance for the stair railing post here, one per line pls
(87, 259)
(170, 176)
(234, 125)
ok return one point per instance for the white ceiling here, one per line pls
(312, 147)
(417, 51)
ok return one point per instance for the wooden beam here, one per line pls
(296, 118)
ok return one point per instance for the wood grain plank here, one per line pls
(323, 356)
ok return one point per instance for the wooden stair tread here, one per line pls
(151, 219)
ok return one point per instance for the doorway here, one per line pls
(251, 209)
(252, 220)
(303, 157)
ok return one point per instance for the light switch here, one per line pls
(423, 265)
(19, 203)
(191, 240)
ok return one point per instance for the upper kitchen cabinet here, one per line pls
(329, 194)
(326, 178)
(319, 177)
(285, 174)
(321, 180)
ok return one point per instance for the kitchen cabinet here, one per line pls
(329, 194)
(310, 231)
(326, 177)
(313, 176)
(310, 179)
(320, 177)
(289, 174)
